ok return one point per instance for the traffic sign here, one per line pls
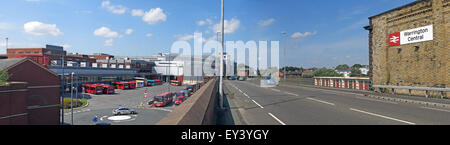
(95, 119)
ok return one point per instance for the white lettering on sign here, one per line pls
(416, 35)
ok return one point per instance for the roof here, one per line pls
(398, 8)
(7, 63)
(164, 94)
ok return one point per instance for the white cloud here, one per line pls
(129, 31)
(67, 46)
(154, 16)
(137, 12)
(6, 26)
(185, 37)
(106, 32)
(39, 29)
(267, 22)
(204, 22)
(230, 26)
(149, 35)
(301, 35)
(109, 42)
(115, 9)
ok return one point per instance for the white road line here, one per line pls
(276, 90)
(257, 104)
(291, 93)
(436, 109)
(382, 116)
(325, 102)
(279, 121)
(376, 100)
(245, 95)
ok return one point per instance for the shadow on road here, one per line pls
(224, 117)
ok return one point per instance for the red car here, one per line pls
(163, 99)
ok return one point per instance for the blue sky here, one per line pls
(320, 33)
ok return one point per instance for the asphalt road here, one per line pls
(296, 105)
(102, 105)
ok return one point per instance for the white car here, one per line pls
(123, 111)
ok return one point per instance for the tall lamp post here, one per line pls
(221, 58)
(63, 89)
(284, 55)
(71, 98)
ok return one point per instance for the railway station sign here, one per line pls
(411, 36)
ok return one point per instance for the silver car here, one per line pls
(123, 111)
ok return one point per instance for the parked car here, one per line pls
(242, 78)
(123, 111)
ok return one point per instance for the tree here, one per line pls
(342, 66)
(323, 72)
(355, 72)
(4, 76)
(357, 66)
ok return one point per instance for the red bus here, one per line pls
(158, 82)
(93, 89)
(163, 99)
(132, 84)
(108, 89)
(180, 97)
(121, 85)
(175, 83)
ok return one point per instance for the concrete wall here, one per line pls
(426, 67)
(199, 109)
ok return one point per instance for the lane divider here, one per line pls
(386, 117)
(257, 104)
(325, 102)
(274, 117)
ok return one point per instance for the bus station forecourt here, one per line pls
(99, 107)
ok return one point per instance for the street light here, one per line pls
(284, 56)
(221, 58)
(71, 98)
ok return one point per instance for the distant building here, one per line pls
(345, 72)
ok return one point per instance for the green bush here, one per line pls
(76, 103)
(4, 76)
(323, 72)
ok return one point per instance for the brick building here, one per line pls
(409, 46)
(34, 96)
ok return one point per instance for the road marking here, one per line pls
(436, 109)
(291, 93)
(378, 115)
(245, 95)
(325, 102)
(276, 90)
(257, 104)
(376, 100)
(279, 121)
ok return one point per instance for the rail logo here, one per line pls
(420, 34)
(394, 39)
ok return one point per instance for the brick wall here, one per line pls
(429, 65)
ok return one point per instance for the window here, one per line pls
(20, 52)
(36, 52)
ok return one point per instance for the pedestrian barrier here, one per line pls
(426, 89)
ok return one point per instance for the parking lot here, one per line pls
(101, 106)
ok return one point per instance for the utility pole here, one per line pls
(284, 55)
(71, 98)
(221, 59)
(7, 42)
(62, 88)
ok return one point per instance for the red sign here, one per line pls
(145, 96)
(394, 39)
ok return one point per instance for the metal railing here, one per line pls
(426, 89)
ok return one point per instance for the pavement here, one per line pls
(102, 106)
(300, 105)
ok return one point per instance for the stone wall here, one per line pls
(405, 65)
